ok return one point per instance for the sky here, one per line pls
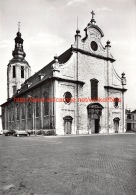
(48, 28)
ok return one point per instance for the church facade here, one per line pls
(78, 92)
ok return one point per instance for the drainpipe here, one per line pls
(77, 37)
(123, 82)
(108, 53)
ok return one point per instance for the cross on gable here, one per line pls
(92, 14)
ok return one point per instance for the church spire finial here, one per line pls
(93, 20)
(92, 12)
(77, 31)
(77, 22)
(18, 26)
(18, 33)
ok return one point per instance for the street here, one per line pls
(68, 165)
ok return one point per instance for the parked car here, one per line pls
(19, 133)
(30, 132)
(48, 132)
(9, 132)
(1, 132)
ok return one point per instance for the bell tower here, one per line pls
(18, 69)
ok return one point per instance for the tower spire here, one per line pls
(93, 20)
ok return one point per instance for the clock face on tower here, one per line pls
(94, 45)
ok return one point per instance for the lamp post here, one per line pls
(123, 82)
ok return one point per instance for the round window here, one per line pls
(94, 45)
(67, 97)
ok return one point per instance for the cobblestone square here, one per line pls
(68, 165)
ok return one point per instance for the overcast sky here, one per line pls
(48, 28)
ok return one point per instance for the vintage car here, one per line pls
(1, 132)
(19, 133)
(9, 132)
(16, 133)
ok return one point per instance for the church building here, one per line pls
(78, 92)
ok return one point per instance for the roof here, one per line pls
(47, 70)
(33, 81)
(133, 112)
(16, 60)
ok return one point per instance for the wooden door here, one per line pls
(67, 127)
(96, 125)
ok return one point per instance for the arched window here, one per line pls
(23, 111)
(29, 110)
(14, 89)
(14, 72)
(46, 103)
(37, 107)
(22, 71)
(116, 102)
(12, 113)
(9, 114)
(94, 88)
(17, 112)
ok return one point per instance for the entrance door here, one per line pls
(97, 125)
(128, 126)
(116, 124)
(68, 124)
(94, 123)
(67, 127)
(94, 112)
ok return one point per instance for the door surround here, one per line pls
(67, 124)
(94, 111)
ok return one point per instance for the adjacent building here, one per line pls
(131, 120)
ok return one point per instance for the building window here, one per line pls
(14, 89)
(29, 110)
(94, 89)
(14, 72)
(22, 71)
(3, 112)
(9, 114)
(94, 46)
(67, 97)
(36, 107)
(23, 111)
(129, 114)
(17, 112)
(12, 113)
(46, 104)
(116, 102)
